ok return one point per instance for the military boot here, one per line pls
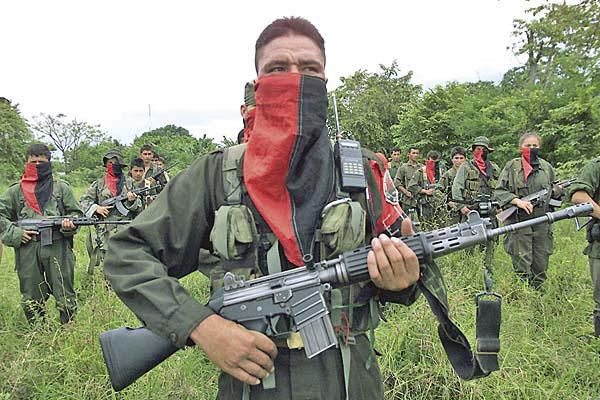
(597, 326)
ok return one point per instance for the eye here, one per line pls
(276, 69)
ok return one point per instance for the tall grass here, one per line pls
(547, 347)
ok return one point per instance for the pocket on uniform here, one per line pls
(234, 232)
(342, 228)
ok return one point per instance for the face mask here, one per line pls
(37, 185)
(288, 164)
(480, 158)
(529, 160)
(114, 178)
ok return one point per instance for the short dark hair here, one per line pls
(155, 156)
(288, 26)
(434, 155)
(137, 162)
(146, 147)
(411, 148)
(458, 150)
(38, 150)
(162, 159)
(396, 149)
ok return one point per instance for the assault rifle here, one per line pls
(47, 225)
(117, 201)
(540, 197)
(159, 173)
(297, 296)
(437, 186)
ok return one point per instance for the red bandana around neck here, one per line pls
(289, 170)
(430, 170)
(480, 162)
(37, 185)
(114, 178)
(529, 160)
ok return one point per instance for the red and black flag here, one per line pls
(289, 169)
(37, 185)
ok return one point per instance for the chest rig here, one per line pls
(476, 183)
(246, 246)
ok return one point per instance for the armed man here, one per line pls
(403, 178)
(476, 180)
(43, 268)
(529, 249)
(268, 225)
(395, 163)
(426, 185)
(136, 172)
(586, 188)
(459, 155)
(112, 184)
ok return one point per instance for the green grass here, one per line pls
(547, 348)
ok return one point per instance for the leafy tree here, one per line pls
(15, 135)
(67, 136)
(369, 104)
(174, 143)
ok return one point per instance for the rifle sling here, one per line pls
(456, 345)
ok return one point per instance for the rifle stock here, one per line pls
(131, 352)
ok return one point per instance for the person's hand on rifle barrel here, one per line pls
(523, 205)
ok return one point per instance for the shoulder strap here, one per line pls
(232, 180)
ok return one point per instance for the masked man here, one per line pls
(112, 184)
(587, 189)
(529, 248)
(47, 269)
(258, 206)
(476, 180)
(430, 198)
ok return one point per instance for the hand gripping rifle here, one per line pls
(298, 295)
(540, 197)
(158, 174)
(45, 226)
(117, 201)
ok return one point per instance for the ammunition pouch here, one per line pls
(342, 228)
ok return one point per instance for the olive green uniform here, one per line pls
(529, 248)
(43, 270)
(470, 182)
(589, 182)
(170, 241)
(90, 201)
(430, 208)
(394, 166)
(403, 177)
(446, 181)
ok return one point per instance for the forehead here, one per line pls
(458, 155)
(147, 152)
(531, 139)
(136, 169)
(287, 47)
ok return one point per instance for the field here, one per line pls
(547, 347)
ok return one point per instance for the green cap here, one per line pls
(249, 100)
(114, 153)
(482, 141)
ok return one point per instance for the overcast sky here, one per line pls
(105, 62)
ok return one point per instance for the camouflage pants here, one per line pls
(45, 270)
(530, 250)
(318, 378)
(595, 272)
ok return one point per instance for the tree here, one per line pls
(369, 104)
(67, 136)
(14, 138)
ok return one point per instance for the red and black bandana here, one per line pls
(289, 170)
(114, 178)
(37, 185)
(432, 170)
(529, 160)
(481, 162)
(391, 211)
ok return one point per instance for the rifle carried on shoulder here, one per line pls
(540, 197)
(298, 296)
(160, 172)
(117, 201)
(47, 225)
